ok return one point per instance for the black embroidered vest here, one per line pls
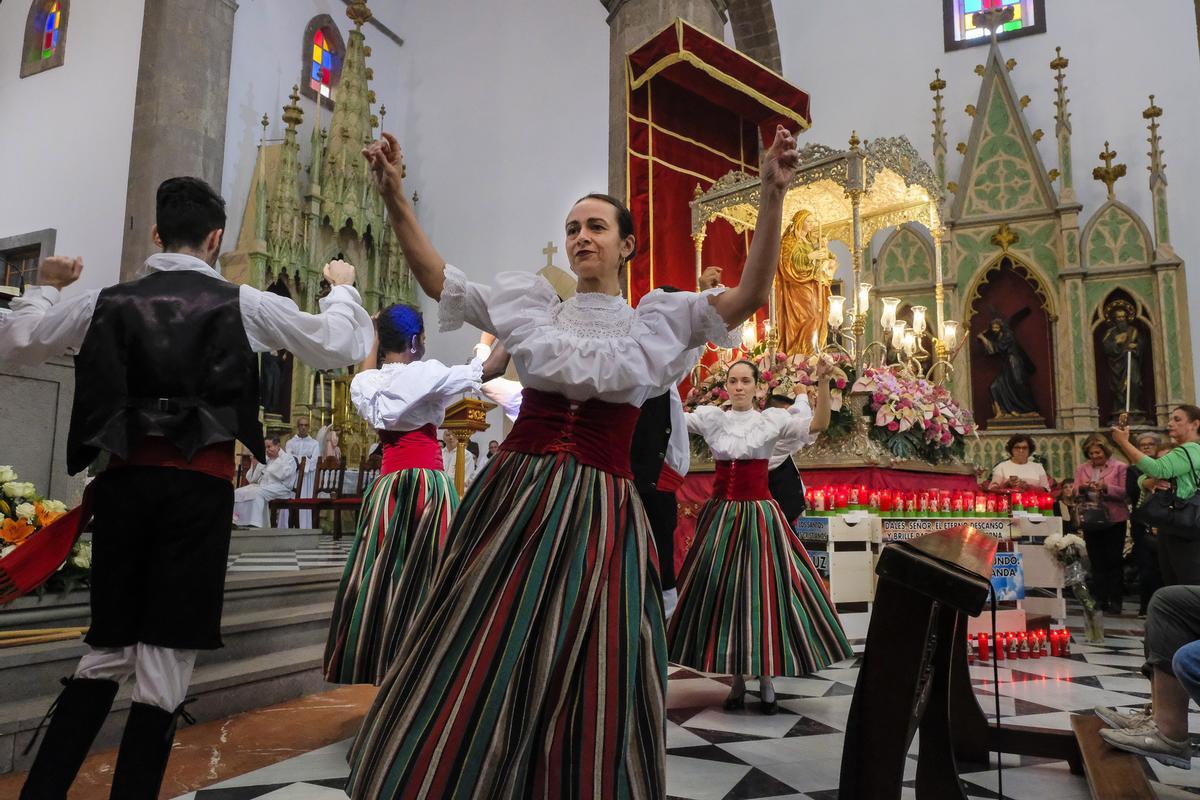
(165, 355)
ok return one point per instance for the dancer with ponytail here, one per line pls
(538, 668)
(406, 510)
(750, 600)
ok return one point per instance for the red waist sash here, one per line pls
(597, 433)
(32, 564)
(743, 479)
(155, 451)
(416, 449)
(668, 480)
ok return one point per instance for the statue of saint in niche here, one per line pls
(802, 287)
(1124, 350)
(1012, 392)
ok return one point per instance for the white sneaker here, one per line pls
(670, 599)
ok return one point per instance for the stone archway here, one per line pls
(754, 33)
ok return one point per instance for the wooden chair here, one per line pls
(368, 470)
(275, 506)
(327, 487)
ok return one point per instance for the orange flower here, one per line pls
(45, 517)
(15, 531)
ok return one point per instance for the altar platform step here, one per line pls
(244, 591)
(274, 631)
(1111, 774)
(273, 540)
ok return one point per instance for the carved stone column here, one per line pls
(631, 23)
(179, 111)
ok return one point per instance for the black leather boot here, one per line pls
(145, 748)
(75, 719)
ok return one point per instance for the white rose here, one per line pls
(17, 490)
(7, 474)
(26, 511)
(54, 506)
(82, 557)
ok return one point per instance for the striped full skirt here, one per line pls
(396, 553)
(750, 601)
(538, 667)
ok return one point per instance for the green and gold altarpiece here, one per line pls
(1005, 218)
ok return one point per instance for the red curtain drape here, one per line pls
(696, 111)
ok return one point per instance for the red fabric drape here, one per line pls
(695, 112)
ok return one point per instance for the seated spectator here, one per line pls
(1161, 731)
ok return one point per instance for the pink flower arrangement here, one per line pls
(780, 373)
(902, 403)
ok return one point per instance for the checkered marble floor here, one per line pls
(713, 754)
(326, 554)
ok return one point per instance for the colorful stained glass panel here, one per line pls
(50, 30)
(322, 64)
(966, 9)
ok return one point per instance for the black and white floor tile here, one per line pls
(713, 754)
(326, 554)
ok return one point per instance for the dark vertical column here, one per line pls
(180, 108)
(631, 23)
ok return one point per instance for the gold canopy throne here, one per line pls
(806, 270)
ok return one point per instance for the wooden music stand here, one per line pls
(914, 675)
(463, 418)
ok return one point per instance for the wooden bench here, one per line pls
(1111, 773)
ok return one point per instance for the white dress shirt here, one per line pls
(43, 324)
(591, 345)
(752, 434)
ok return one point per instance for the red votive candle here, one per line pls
(984, 652)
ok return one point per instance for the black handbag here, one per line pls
(1091, 514)
(1170, 514)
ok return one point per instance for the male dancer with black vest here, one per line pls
(166, 381)
(659, 456)
(783, 478)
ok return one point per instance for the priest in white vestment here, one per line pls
(303, 446)
(274, 480)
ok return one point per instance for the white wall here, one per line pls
(66, 134)
(868, 66)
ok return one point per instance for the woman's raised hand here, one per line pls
(387, 166)
(782, 161)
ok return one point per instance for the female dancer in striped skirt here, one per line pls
(406, 510)
(750, 601)
(538, 666)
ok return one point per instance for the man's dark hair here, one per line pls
(186, 211)
(273, 438)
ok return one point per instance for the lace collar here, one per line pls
(592, 315)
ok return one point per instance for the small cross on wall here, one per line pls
(549, 250)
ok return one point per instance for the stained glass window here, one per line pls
(50, 30)
(1028, 16)
(322, 52)
(322, 64)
